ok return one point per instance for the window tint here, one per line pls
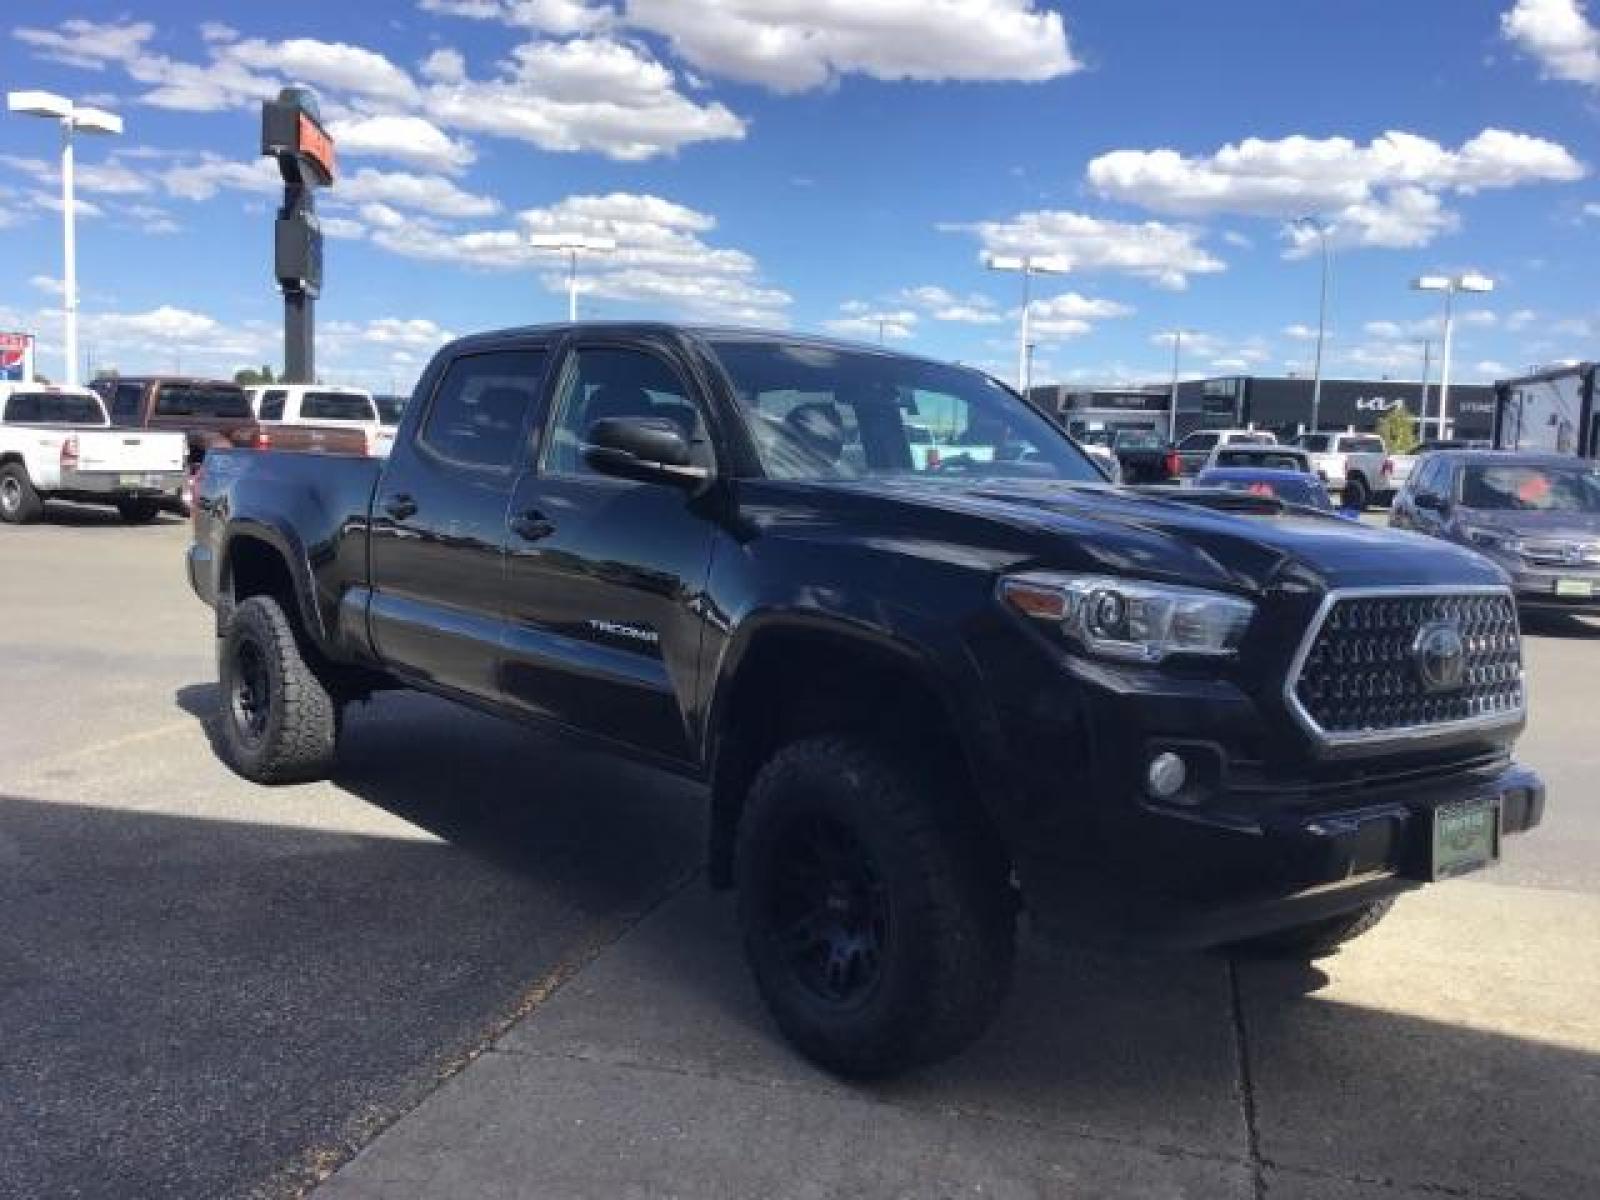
(336, 406)
(1199, 441)
(477, 411)
(201, 400)
(1317, 443)
(125, 406)
(53, 408)
(619, 383)
(1268, 460)
(390, 408)
(820, 412)
(272, 404)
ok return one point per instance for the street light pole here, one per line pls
(572, 244)
(1027, 266)
(73, 119)
(1172, 402)
(1427, 361)
(1449, 285)
(1320, 228)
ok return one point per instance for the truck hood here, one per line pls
(1225, 539)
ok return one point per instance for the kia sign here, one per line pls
(16, 357)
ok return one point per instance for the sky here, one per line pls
(827, 165)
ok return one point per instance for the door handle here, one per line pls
(400, 507)
(532, 525)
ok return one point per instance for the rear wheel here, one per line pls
(880, 937)
(1318, 939)
(279, 722)
(1357, 494)
(138, 511)
(19, 503)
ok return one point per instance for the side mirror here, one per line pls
(1432, 501)
(649, 449)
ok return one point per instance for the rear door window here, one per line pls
(475, 419)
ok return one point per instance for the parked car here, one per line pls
(1536, 515)
(921, 699)
(1097, 443)
(56, 444)
(320, 417)
(1145, 456)
(1357, 465)
(1266, 458)
(1196, 448)
(211, 414)
(1296, 487)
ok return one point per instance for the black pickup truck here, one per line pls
(926, 696)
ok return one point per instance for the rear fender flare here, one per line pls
(282, 539)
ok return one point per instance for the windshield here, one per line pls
(1531, 488)
(822, 412)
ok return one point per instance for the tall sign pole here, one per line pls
(292, 132)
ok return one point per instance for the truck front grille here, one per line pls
(1382, 665)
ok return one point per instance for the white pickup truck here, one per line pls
(57, 444)
(321, 417)
(1358, 465)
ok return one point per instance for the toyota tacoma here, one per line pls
(926, 696)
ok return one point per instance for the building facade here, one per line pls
(1280, 404)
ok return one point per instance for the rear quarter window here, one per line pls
(336, 406)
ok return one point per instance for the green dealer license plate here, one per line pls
(1466, 836)
(1574, 587)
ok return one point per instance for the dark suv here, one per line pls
(1536, 515)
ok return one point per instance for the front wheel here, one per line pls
(279, 722)
(19, 503)
(1318, 939)
(880, 935)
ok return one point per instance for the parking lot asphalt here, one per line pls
(481, 963)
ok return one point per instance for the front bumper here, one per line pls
(1271, 831)
(1543, 587)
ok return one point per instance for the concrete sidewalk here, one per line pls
(1454, 1051)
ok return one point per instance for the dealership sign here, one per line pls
(16, 357)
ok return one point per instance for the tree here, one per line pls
(249, 376)
(1397, 431)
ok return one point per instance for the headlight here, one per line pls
(1130, 619)
(1494, 539)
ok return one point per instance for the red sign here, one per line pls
(316, 146)
(16, 356)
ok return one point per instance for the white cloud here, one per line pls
(1166, 255)
(868, 324)
(203, 176)
(1300, 333)
(84, 44)
(662, 262)
(1430, 327)
(1558, 34)
(110, 178)
(409, 139)
(47, 283)
(343, 227)
(1521, 319)
(324, 64)
(942, 305)
(795, 47)
(1234, 238)
(591, 94)
(1384, 193)
(561, 17)
(445, 65)
(431, 194)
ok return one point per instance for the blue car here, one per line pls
(1291, 487)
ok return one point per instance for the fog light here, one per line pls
(1166, 775)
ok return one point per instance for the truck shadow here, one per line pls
(1560, 626)
(1152, 1051)
(92, 516)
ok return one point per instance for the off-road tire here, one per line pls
(1357, 494)
(944, 966)
(1317, 939)
(294, 737)
(19, 503)
(138, 511)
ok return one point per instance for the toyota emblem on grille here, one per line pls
(1440, 655)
